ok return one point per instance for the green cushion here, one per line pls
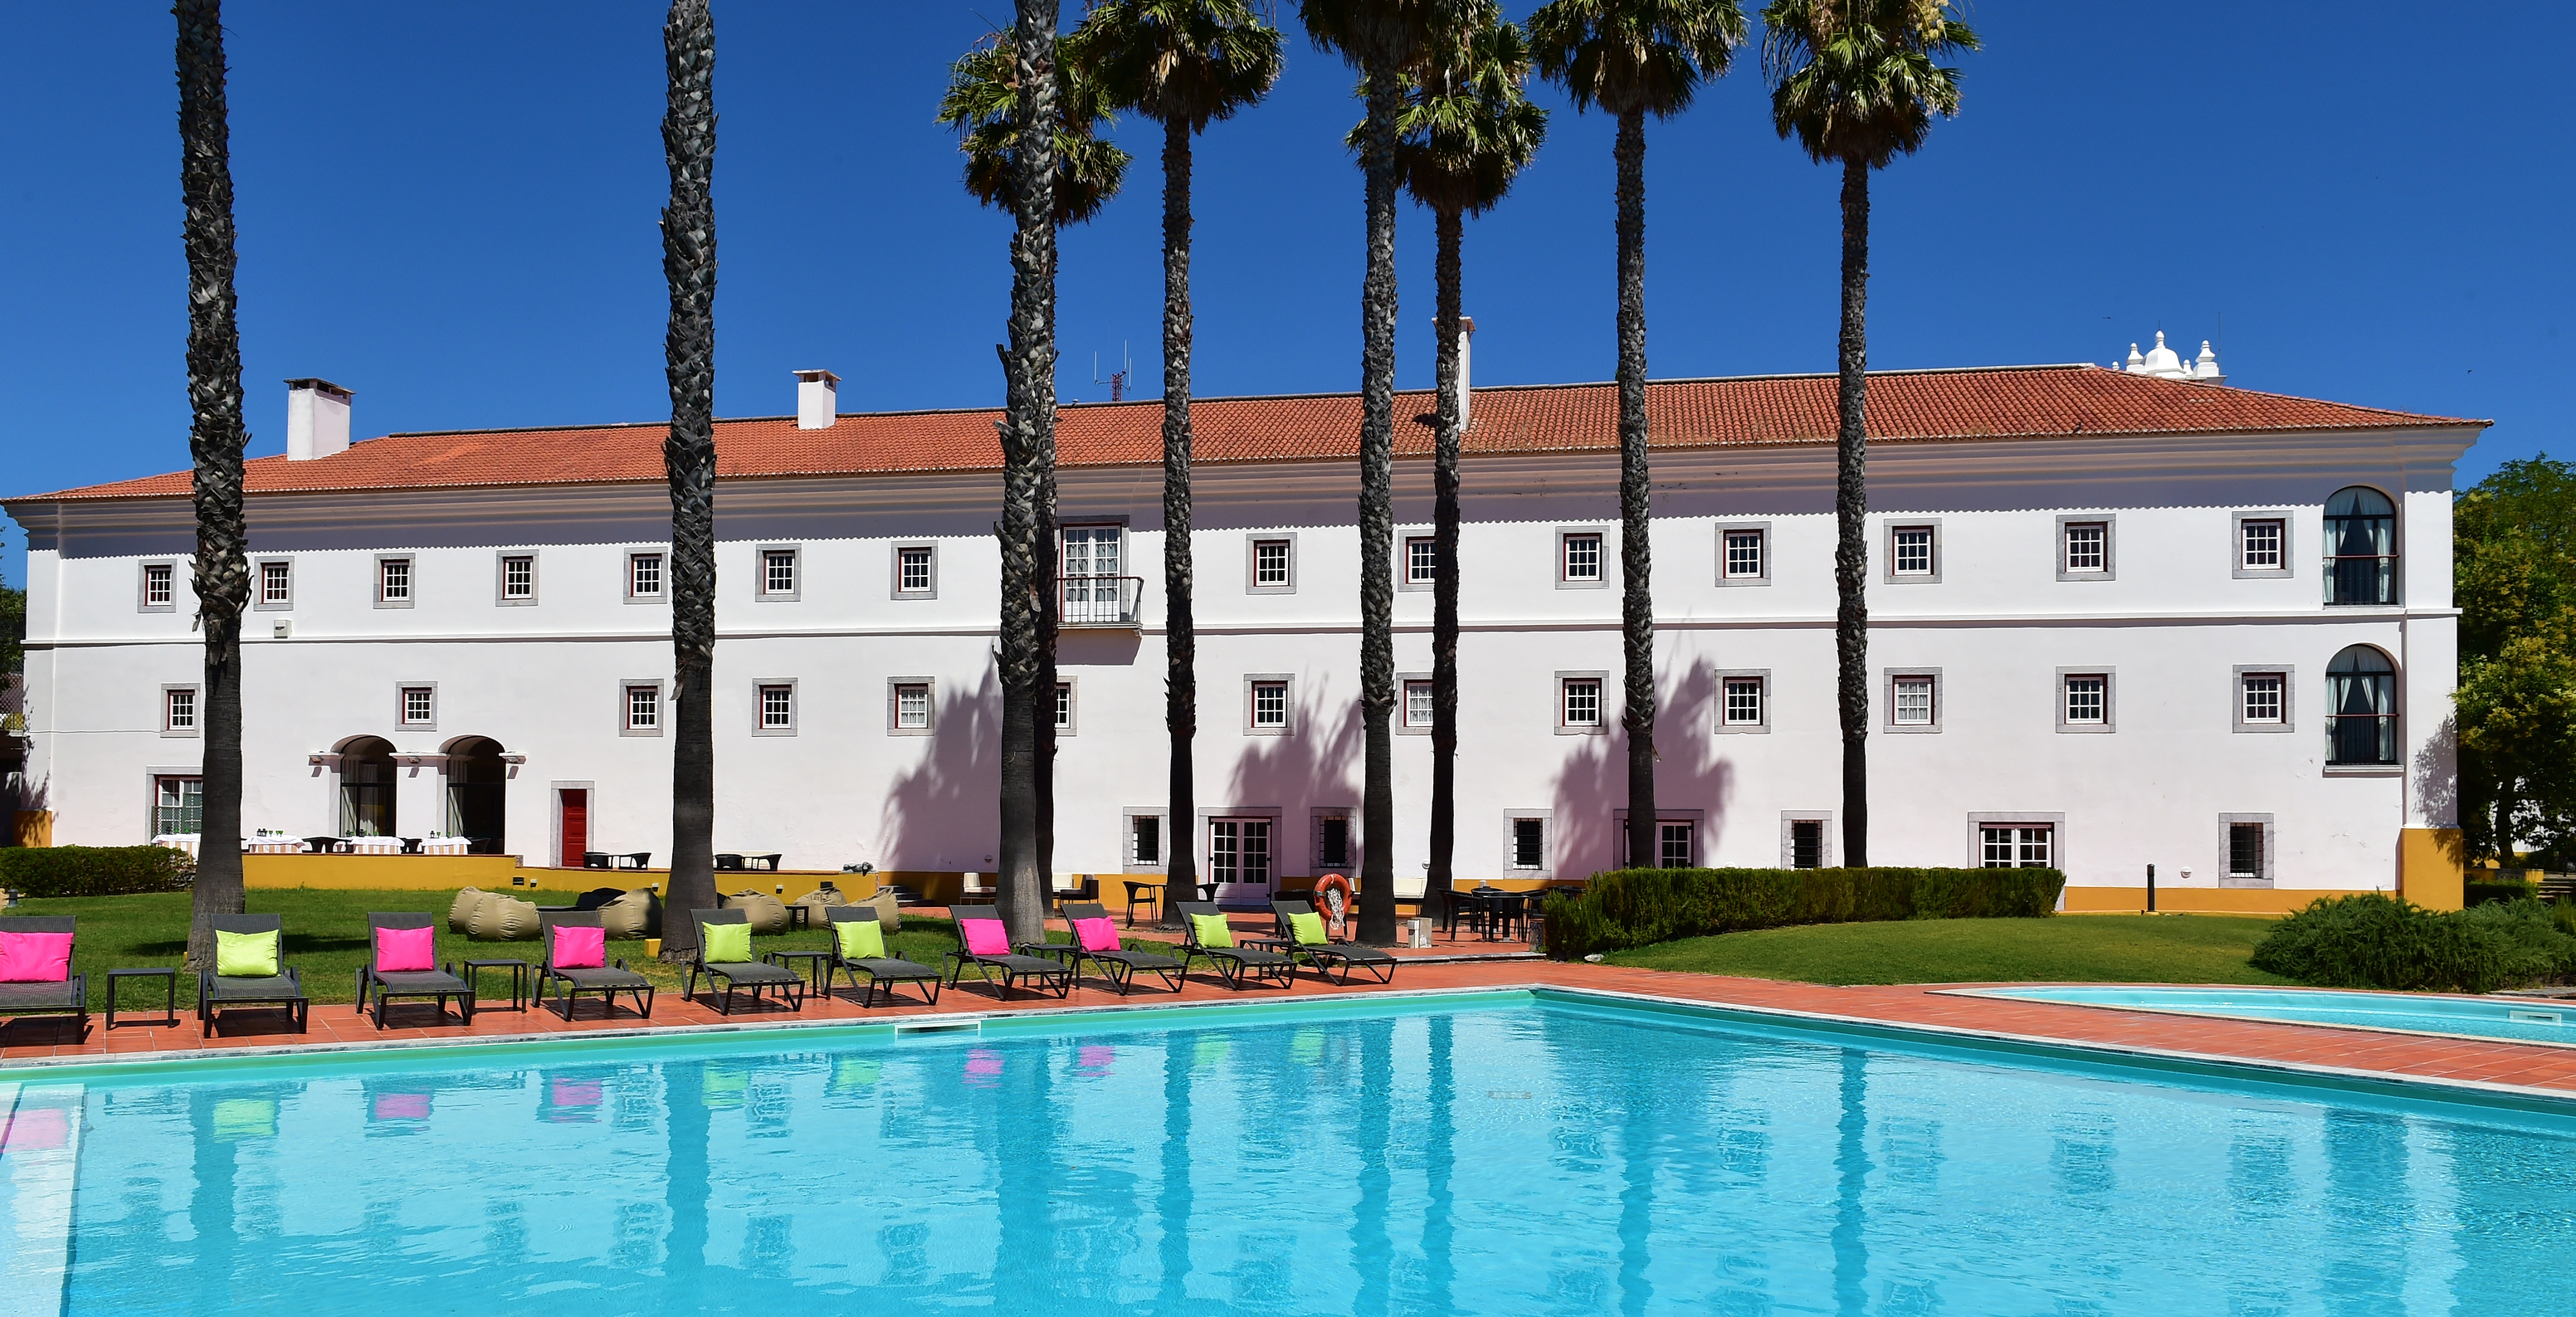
(861, 939)
(245, 955)
(727, 944)
(1309, 928)
(1212, 930)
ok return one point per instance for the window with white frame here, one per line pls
(160, 585)
(1144, 839)
(2087, 699)
(393, 580)
(778, 573)
(2087, 547)
(1676, 843)
(1578, 702)
(1269, 705)
(178, 806)
(518, 578)
(1742, 703)
(2261, 544)
(643, 576)
(2262, 697)
(1579, 558)
(1273, 565)
(1743, 559)
(1529, 843)
(1806, 843)
(419, 706)
(277, 583)
(644, 706)
(1911, 551)
(1421, 559)
(1913, 700)
(778, 707)
(1064, 707)
(915, 569)
(179, 709)
(910, 702)
(1417, 703)
(2016, 846)
(1239, 851)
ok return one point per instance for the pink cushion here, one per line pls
(406, 950)
(581, 948)
(38, 957)
(1096, 934)
(985, 937)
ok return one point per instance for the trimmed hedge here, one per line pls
(2377, 941)
(1638, 907)
(38, 871)
(2476, 893)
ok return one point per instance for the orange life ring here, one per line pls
(1334, 899)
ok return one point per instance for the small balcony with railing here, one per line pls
(1098, 601)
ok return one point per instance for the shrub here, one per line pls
(1638, 907)
(95, 870)
(2483, 893)
(2376, 941)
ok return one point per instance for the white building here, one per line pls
(2118, 618)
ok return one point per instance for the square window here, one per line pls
(778, 573)
(1806, 843)
(644, 576)
(2010, 846)
(419, 706)
(644, 708)
(393, 580)
(1270, 564)
(158, 588)
(1270, 704)
(518, 577)
(913, 574)
(1145, 839)
(178, 806)
(2087, 700)
(1529, 843)
(912, 706)
(2088, 546)
(1913, 701)
(1582, 558)
(2244, 850)
(1421, 557)
(2260, 544)
(2261, 697)
(1743, 555)
(1674, 844)
(778, 707)
(276, 583)
(179, 709)
(1417, 704)
(1579, 705)
(1743, 706)
(1913, 550)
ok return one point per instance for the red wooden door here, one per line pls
(576, 827)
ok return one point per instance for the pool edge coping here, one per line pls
(2000, 992)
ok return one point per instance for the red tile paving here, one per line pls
(2392, 1055)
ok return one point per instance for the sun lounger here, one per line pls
(1238, 966)
(405, 965)
(883, 971)
(1099, 946)
(30, 945)
(1313, 945)
(580, 963)
(255, 975)
(987, 947)
(733, 966)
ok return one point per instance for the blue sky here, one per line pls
(450, 209)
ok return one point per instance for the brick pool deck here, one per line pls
(32, 1043)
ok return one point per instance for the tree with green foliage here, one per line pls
(13, 629)
(1858, 82)
(2514, 569)
(689, 457)
(1629, 59)
(1467, 131)
(1184, 64)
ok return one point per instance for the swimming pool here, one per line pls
(1503, 1154)
(2522, 1019)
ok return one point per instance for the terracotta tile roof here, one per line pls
(1904, 407)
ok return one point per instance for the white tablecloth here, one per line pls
(445, 846)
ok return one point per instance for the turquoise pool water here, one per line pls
(1501, 1156)
(2525, 1019)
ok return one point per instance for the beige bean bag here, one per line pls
(501, 919)
(768, 913)
(888, 913)
(460, 913)
(816, 902)
(636, 914)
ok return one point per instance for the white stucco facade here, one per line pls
(2171, 624)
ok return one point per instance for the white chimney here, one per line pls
(1466, 345)
(818, 398)
(317, 419)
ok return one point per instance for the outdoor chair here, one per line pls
(884, 969)
(1095, 939)
(724, 956)
(36, 969)
(1210, 938)
(987, 947)
(249, 970)
(1302, 933)
(406, 965)
(577, 958)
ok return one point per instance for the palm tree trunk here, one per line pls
(1636, 559)
(1444, 573)
(1049, 561)
(689, 459)
(1851, 511)
(1180, 623)
(1377, 509)
(215, 441)
(1027, 427)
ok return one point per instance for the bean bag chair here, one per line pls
(818, 901)
(768, 913)
(636, 914)
(460, 913)
(889, 913)
(501, 919)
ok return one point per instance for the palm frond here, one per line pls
(983, 93)
(1861, 79)
(1195, 61)
(1624, 56)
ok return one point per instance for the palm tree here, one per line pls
(1467, 131)
(1857, 81)
(1633, 58)
(1185, 64)
(1382, 39)
(689, 457)
(215, 440)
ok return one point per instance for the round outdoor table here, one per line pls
(1146, 894)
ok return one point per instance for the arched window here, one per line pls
(478, 794)
(2361, 547)
(2361, 708)
(367, 788)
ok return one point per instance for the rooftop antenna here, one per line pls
(1117, 380)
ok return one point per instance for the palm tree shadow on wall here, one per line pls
(1316, 764)
(1693, 772)
(940, 813)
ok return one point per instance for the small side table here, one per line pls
(518, 980)
(817, 962)
(169, 990)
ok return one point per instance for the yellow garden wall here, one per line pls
(385, 873)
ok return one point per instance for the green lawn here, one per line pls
(326, 938)
(2079, 949)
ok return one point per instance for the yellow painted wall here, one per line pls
(2429, 867)
(385, 873)
(2196, 900)
(31, 827)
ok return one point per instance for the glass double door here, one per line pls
(1239, 860)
